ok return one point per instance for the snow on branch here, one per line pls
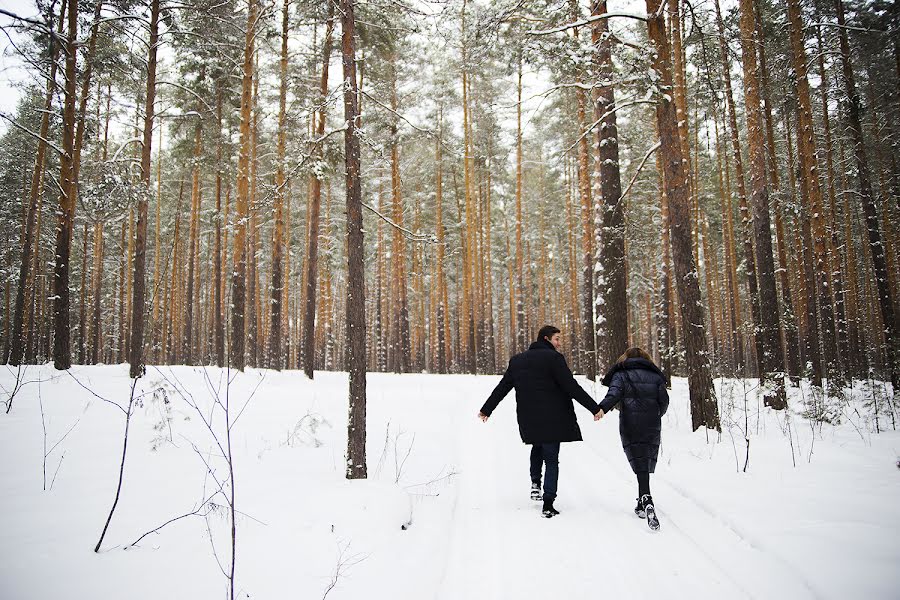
(40, 24)
(24, 129)
(414, 236)
(653, 149)
(587, 21)
(397, 114)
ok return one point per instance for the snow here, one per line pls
(445, 512)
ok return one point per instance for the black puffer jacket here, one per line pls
(639, 388)
(544, 391)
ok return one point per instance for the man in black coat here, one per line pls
(545, 388)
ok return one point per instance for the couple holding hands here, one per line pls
(545, 388)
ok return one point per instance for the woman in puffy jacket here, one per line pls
(638, 388)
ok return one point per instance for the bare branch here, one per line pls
(411, 235)
(653, 149)
(24, 129)
(587, 21)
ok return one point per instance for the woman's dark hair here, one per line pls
(633, 353)
(547, 331)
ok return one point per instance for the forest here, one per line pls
(418, 186)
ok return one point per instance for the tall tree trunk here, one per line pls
(356, 293)
(749, 256)
(809, 181)
(239, 273)
(770, 353)
(836, 276)
(312, 242)
(521, 335)
(62, 357)
(187, 341)
(82, 309)
(704, 410)
(442, 341)
(611, 283)
(252, 311)
(587, 241)
(879, 262)
(400, 316)
(787, 316)
(19, 327)
(140, 246)
(218, 259)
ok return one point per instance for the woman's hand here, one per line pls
(599, 415)
(482, 416)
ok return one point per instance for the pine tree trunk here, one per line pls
(356, 294)
(587, 242)
(787, 316)
(239, 274)
(276, 291)
(439, 262)
(704, 410)
(749, 256)
(19, 326)
(187, 341)
(97, 318)
(400, 315)
(879, 262)
(836, 276)
(812, 194)
(140, 247)
(521, 334)
(62, 358)
(770, 352)
(312, 242)
(610, 283)
(218, 259)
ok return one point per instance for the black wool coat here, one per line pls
(544, 391)
(638, 387)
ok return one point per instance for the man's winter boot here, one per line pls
(639, 509)
(548, 510)
(536, 491)
(650, 510)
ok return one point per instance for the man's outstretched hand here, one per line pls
(482, 416)
(599, 415)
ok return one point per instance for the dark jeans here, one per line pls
(547, 454)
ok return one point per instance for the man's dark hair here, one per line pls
(547, 331)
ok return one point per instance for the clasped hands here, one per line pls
(484, 417)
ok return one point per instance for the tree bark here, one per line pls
(19, 327)
(239, 273)
(879, 262)
(62, 357)
(749, 256)
(356, 294)
(610, 284)
(770, 353)
(704, 410)
(812, 193)
(140, 247)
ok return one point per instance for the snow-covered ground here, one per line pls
(445, 512)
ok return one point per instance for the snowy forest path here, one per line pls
(500, 547)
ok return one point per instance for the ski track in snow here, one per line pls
(500, 547)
